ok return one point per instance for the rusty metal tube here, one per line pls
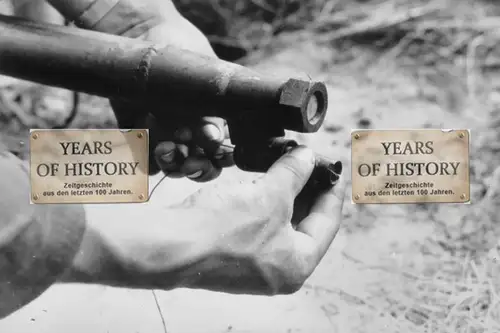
(113, 66)
(119, 67)
(258, 107)
(69, 57)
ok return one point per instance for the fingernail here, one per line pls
(212, 132)
(168, 158)
(195, 175)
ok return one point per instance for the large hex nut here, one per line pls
(306, 104)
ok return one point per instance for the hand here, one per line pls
(191, 148)
(241, 238)
(258, 250)
(159, 22)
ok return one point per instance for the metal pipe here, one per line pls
(119, 67)
(258, 107)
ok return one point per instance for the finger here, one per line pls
(303, 203)
(165, 131)
(220, 123)
(209, 133)
(226, 131)
(323, 221)
(170, 158)
(200, 169)
(223, 157)
(292, 171)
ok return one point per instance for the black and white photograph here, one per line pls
(249, 166)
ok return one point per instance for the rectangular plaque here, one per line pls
(410, 166)
(89, 166)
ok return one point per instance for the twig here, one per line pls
(375, 25)
(471, 66)
(26, 119)
(482, 24)
(327, 10)
(385, 269)
(263, 5)
(226, 41)
(223, 12)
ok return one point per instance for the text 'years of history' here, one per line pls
(89, 166)
(410, 166)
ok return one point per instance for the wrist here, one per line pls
(164, 253)
(175, 256)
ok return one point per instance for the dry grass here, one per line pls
(452, 295)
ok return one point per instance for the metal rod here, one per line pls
(72, 58)
(119, 67)
(155, 76)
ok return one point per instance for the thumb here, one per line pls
(292, 171)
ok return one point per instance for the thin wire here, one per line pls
(152, 290)
(159, 311)
(166, 175)
(157, 184)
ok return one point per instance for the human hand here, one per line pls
(258, 250)
(238, 238)
(192, 147)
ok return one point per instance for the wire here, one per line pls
(159, 311)
(158, 184)
(152, 290)
(216, 156)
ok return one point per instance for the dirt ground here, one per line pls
(398, 268)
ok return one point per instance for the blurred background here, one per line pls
(388, 64)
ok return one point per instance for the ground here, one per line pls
(398, 268)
